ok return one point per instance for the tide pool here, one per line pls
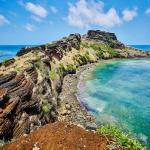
(118, 92)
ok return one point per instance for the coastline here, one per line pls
(72, 110)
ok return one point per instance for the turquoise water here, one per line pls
(118, 92)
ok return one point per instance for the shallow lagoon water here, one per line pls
(118, 92)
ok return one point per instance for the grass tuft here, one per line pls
(121, 138)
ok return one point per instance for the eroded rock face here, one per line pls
(56, 49)
(21, 97)
(24, 51)
(104, 38)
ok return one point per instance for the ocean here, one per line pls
(9, 51)
(143, 47)
(118, 92)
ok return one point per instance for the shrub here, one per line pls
(112, 52)
(70, 68)
(6, 98)
(99, 48)
(46, 107)
(61, 70)
(121, 138)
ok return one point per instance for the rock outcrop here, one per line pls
(104, 38)
(26, 98)
(56, 48)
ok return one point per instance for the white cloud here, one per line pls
(30, 27)
(128, 15)
(3, 20)
(148, 11)
(85, 13)
(53, 9)
(36, 9)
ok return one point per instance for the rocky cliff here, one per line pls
(30, 83)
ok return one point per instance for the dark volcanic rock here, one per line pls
(9, 62)
(27, 50)
(56, 49)
(31, 71)
(8, 77)
(104, 38)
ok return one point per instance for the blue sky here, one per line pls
(42, 21)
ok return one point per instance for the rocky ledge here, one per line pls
(31, 91)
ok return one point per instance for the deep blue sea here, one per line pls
(9, 51)
(142, 47)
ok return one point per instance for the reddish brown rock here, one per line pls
(9, 62)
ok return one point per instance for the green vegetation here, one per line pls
(82, 59)
(6, 98)
(101, 48)
(85, 44)
(46, 107)
(112, 52)
(61, 70)
(52, 74)
(70, 68)
(41, 67)
(121, 138)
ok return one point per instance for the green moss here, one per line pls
(121, 138)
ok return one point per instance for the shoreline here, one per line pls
(68, 96)
(72, 110)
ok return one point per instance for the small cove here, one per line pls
(118, 92)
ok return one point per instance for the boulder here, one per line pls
(90, 126)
